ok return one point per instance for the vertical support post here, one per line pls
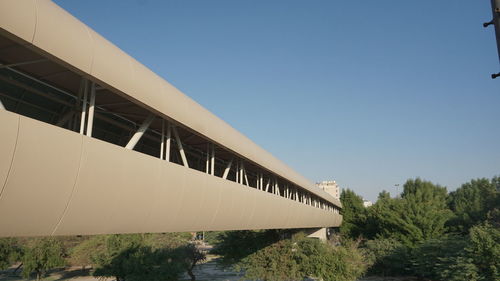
(181, 149)
(241, 171)
(162, 144)
(212, 168)
(237, 171)
(495, 21)
(73, 121)
(90, 122)
(169, 136)
(267, 185)
(84, 107)
(495, 6)
(207, 160)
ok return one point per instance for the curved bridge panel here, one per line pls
(41, 178)
(64, 183)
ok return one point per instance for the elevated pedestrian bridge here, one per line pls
(93, 142)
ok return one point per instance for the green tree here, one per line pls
(471, 203)
(419, 215)
(372, 226)
(353, 214)
(44, 254)
(384, 195)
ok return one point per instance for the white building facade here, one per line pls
(330, 187)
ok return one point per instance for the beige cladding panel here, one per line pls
(8, 139)
(147, 86)
(241, 206)
(224, 216)
(210, 203)
(173, 104)
(99, 184)
(110, 64)
(282, 212)
(304, 215)
(62, 35)
(132, 204)
(261, 217)
(196, 111)
(292, 214)
(41, 180)
(317, 218)
(250, 207)
(94, 187)
(194, 193)
(167, 201)
(19, 18)
(252, 198)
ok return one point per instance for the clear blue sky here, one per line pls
(369, 93)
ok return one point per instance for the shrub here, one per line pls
(44, 254)
(301, 257)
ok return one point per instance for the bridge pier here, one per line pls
(322, 234)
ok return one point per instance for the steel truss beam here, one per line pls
(22, 63)
(140, 132)
(179, 145)
(228, 168)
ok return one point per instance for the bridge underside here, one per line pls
(78, 156)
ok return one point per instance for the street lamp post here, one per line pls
(495, 6)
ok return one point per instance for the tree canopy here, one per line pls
(471, 203)
(353, 213)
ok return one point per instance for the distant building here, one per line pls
(330, 187)
(367, 203)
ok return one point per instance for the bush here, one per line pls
(44, 254)
(484, 250)
(303, 257)
(139, 263)
(474, 258)
(386, 257)
(138, 257)
(233, 246)
(10, 252)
